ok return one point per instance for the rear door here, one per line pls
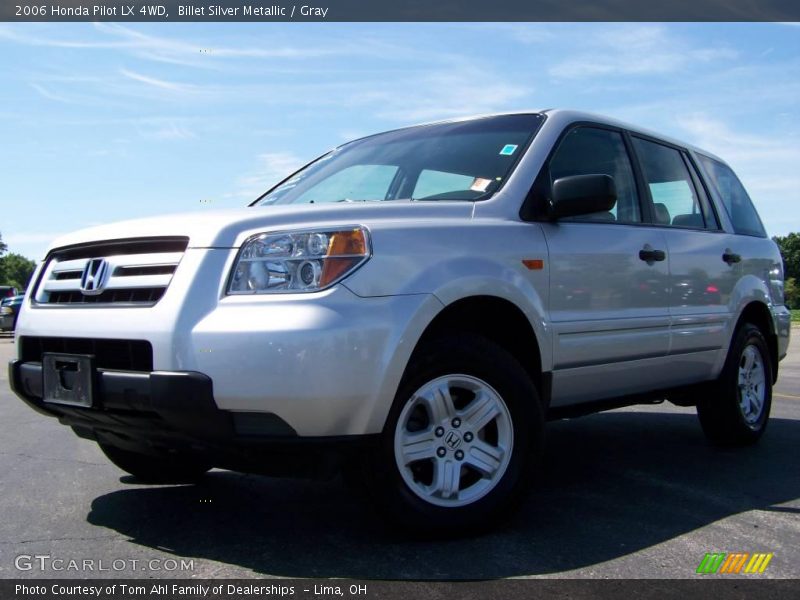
(749, 251)
(609, 298)
(702, 279)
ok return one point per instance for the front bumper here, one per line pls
(138, 404)
(164, 411)
(327, 363)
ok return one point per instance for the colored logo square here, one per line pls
(508, 150)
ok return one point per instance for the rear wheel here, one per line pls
(736, 408)
(458, 447)
(166, 468)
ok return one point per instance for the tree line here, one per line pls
(15, 269)
(790, 250)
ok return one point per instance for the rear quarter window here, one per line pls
(734, 197)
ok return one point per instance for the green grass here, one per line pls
(796, 315)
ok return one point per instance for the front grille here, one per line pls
(60, 275)
(119, 355)
(123, 272)
(120, 247)
(134, 296)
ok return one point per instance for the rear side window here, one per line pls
(675, 200)
(734, 197)
(595, 151)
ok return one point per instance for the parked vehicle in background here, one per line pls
(412, 307)
(7, 291)
(9, 310)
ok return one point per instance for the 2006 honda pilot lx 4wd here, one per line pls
(413, 306)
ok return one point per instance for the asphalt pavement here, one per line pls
(630, 493)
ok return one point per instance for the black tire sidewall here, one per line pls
(751, 335)
(478, 357)
(719, 411)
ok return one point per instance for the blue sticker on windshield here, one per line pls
(508, 150)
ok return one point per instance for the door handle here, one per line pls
(650, 255)
(731, 257)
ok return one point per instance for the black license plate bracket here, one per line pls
(68, 379)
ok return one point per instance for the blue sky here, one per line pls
(102, 122)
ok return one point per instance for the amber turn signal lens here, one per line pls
(346, 250)
(348, 243)
(335, 268)
(534, 264)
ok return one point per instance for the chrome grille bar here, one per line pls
(145, 275)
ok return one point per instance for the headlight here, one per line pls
(304, 261)
(6, 310)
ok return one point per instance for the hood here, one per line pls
(229, 228)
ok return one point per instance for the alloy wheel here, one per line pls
(453, 440)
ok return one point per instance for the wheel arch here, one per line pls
(758, 313)
(498, 307)
(499, 320)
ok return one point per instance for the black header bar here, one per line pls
(399, 10)
(346, 589)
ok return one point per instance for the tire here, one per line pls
(149, 468)
(735, 411)
(453, 467)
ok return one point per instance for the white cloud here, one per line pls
(766, 163)
(442, 93)
(46, 93)
(163, 84)
(265, 81)
(168, 131)
(524, 33)
(14, 34)
(119, 89)
(718, 137)
(271, 168)
(28, 237)
(30, 244)
(646, 50)
(159, 47)
(348, 135)
(198, 53)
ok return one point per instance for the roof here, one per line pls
(571, 116)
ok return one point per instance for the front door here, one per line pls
(609, 281)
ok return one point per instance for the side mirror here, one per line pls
(582, 195)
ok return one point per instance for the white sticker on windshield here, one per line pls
(508, 150)
(480, 185)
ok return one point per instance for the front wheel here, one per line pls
(736, 409)
(458, 447)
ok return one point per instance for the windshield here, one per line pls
(468, 161)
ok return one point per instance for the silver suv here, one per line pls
(412, 307)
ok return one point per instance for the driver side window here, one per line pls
(595, 151)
